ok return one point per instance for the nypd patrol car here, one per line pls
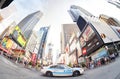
(61, 70)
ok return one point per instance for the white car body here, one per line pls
(61, 70)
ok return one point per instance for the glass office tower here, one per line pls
(43, 37)
(28, 23)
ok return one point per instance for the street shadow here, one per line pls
(61, 76)
(118, 76)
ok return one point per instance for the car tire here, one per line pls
(76, 73)
(49, 74)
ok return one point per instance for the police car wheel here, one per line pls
(76, 73)
(49, 74)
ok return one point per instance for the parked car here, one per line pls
(61, 70)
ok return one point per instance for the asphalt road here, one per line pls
(10, 70)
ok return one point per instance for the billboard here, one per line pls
(109, 32)
(33, 58)
(81, 23)
(89, 40)
(18, 37)
(100, 53)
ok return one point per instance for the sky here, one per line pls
(55, 13)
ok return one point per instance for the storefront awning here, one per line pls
(18, 50)
(5, 50)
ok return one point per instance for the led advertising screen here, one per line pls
(81, 23)
(89, 40)
(18, 37)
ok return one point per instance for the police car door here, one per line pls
(59, 71)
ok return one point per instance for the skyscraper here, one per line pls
(115, 2)
(6, 17)
(5, 3)
(96, 35)
(31, 43)
(79, 15)
(23, 31)
(67, 31)
(43, 36)
(28, 23)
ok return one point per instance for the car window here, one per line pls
(67, 67)
(55, 66)
(60, 67)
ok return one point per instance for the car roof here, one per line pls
(58, 65)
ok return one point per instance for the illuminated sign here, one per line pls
(18, 37)
(81, 23)
(90, 40)
(84, 51)
(33, 59)
(9, 43)
(21, 40)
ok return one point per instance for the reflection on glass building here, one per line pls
(43, 37)
(28, 23)
(79, 15)
(22, 32)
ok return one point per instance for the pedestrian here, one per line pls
(99, 63)
(112, 57)
(102, 61)
(16, 60)
(91, 65)
(25, 63)
(105, 59)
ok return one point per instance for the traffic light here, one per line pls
(4, 3)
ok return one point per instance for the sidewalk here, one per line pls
(13, 63)
(116, 59)
(29, 68)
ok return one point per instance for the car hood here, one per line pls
(76, 68)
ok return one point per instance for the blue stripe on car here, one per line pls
(65, 72)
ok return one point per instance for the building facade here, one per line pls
(67, 31)
(97, 38)
(80, 16)
(31, 44)
(28, 23)
(115, 2)
(42, 38)
(6, 17)
(5, 3)
(68, 43)
(23, 30)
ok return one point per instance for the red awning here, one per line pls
(5, 50)
(19, 50)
